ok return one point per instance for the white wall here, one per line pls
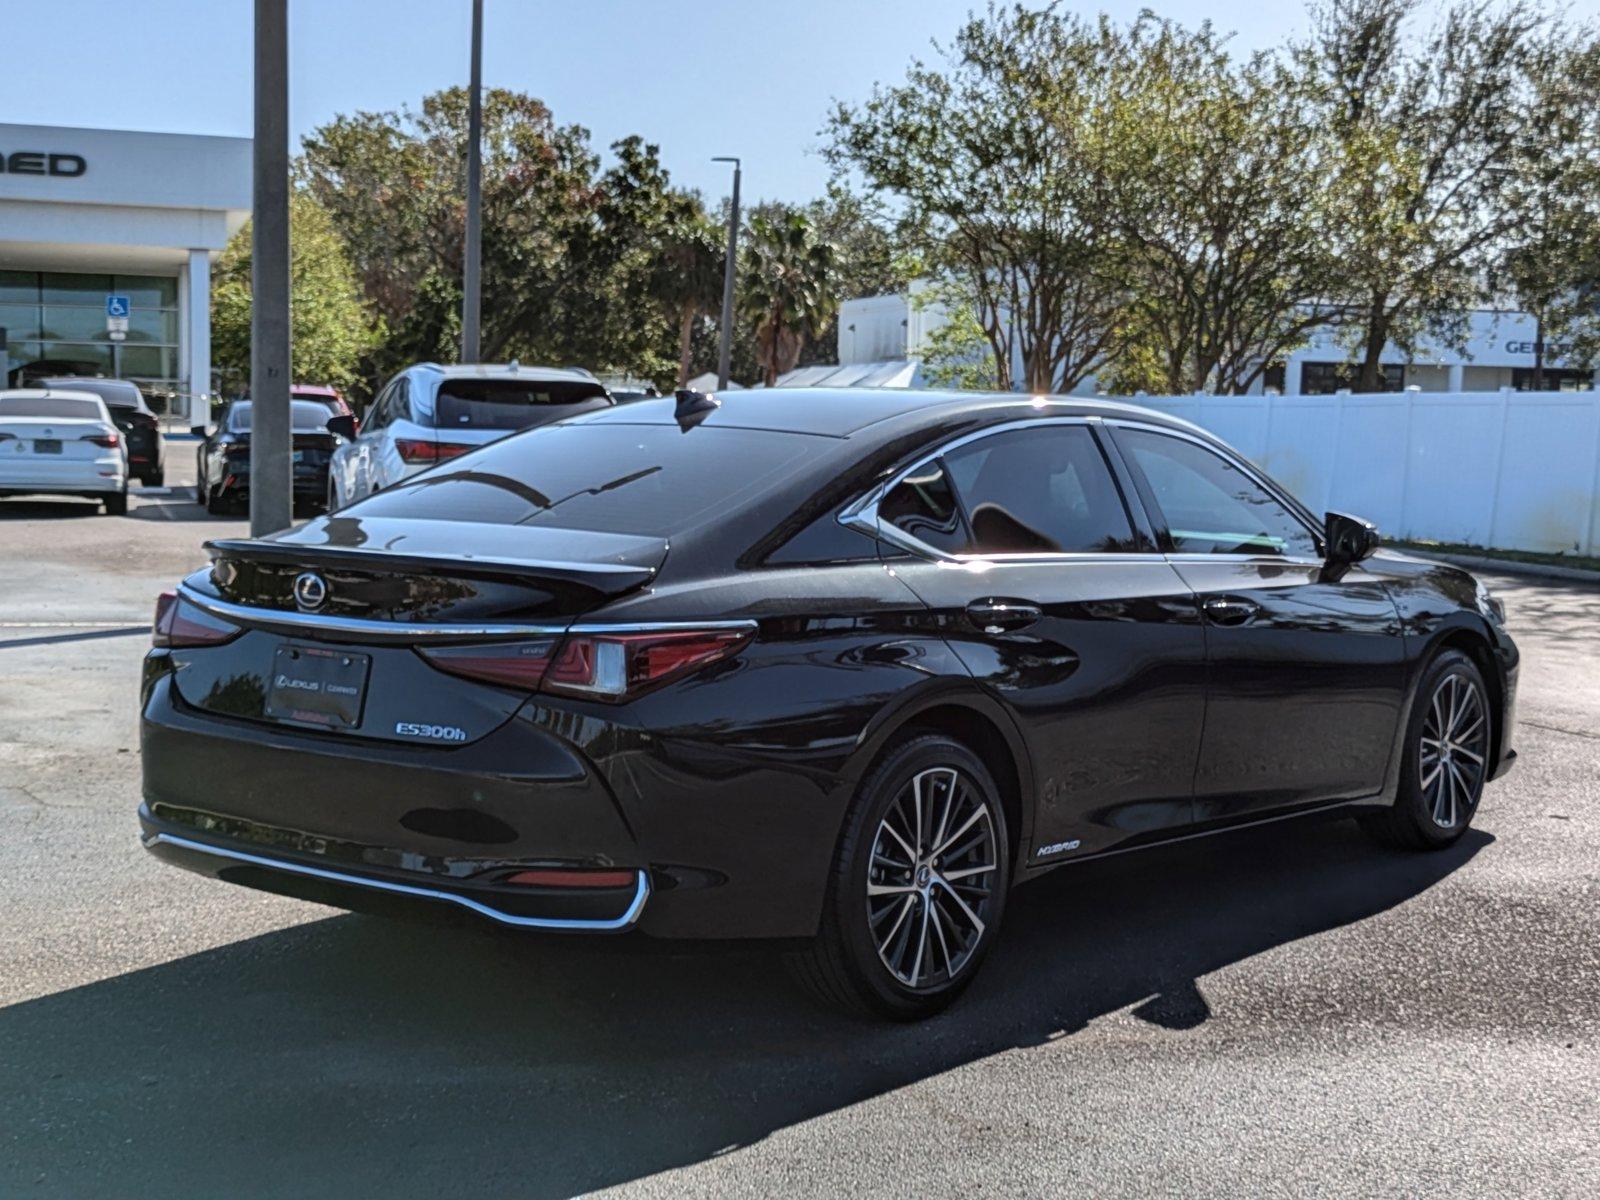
(1510, 470)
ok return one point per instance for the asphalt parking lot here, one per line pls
(1290, 1012)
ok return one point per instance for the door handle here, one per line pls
(1001, 616)
(1230, 612)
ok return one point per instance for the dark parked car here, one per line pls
(841, 666)
(222, 462)
(147, 449)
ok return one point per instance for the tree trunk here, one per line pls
(685, 340)
(1370, 379)
(1538, 351)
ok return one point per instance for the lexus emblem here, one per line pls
(310, 590)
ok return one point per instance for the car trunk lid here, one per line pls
(418, 571)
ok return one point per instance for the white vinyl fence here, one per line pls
(1507, 470)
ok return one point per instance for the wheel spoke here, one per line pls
(976, 816)
(939, 919)
(952, 876)
(966, 909)
(950, 793)
(1427, 780)
(922, 943)
(1477, 758)
(885, 889)
(911, 854)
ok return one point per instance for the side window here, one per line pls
(1210, 506)
(1040, 490)
(923, 506)
(378, 414)
(400, 401)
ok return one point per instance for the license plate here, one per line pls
(47, 445)
(312, 685)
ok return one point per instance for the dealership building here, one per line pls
(1497, 351)
(106, 244)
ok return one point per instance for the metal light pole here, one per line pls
(271, 473)
(472, 260)
(725, 349)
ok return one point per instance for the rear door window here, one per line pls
(512, 403)
(1040, 490)
(923, 506)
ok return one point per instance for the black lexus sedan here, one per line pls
(835, 666)
(222, 461)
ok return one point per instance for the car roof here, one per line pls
(314, 389)
(51, 393)
(508, 371)
(845, 412)
(92, 384)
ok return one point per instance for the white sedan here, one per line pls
(61, 442)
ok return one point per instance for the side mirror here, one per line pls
(199, 431)
(343, 425)
(1349, 539)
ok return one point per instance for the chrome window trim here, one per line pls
(390, 631)
(629, 917)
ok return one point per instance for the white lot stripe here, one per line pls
(139, 620)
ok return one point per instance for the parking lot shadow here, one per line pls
(356, 1056)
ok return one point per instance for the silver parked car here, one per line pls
(429, 413)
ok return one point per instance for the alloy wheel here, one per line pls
(1454, 750)
(932, 878)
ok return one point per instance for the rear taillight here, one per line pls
(179, 623)
(598, 666)
(109, 440)
(413, 451)
(519, 665)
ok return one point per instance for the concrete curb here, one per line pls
(1501, 566)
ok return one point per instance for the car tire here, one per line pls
(116, 503)
(156, 478)
(1447, 747)
(890, 918)
(216, 504)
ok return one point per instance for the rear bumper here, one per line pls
(356, 890)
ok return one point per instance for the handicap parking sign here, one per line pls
(117, 306)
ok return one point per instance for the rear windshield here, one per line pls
(306, 417)
(61, 408)
(115, 393)
(652, 480)
(511, 403)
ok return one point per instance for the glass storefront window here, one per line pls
(20, 321)
(150, 362)
(60, 288)
(60, 317)
(19, 287)
(147, 291)
(74, 324)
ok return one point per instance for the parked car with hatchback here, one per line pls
(141, 432)
(837, 666)
(222, 460)
(60, 442)
(429, 414)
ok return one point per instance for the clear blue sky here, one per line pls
(747, 77)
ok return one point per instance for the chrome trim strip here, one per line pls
(389, 631)
(635, 907)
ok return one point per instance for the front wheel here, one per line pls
(1447, 750)
(918, 886)
(116, 503)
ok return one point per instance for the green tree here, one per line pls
(1225, 199)
(330, 322)
(687, 278)
(1434, 135)
(788, 290)
(997, 163)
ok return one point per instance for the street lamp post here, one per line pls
(725, 348)
(471, 267)
(271, 474)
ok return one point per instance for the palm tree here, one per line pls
(688, 278)
(788, 290)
